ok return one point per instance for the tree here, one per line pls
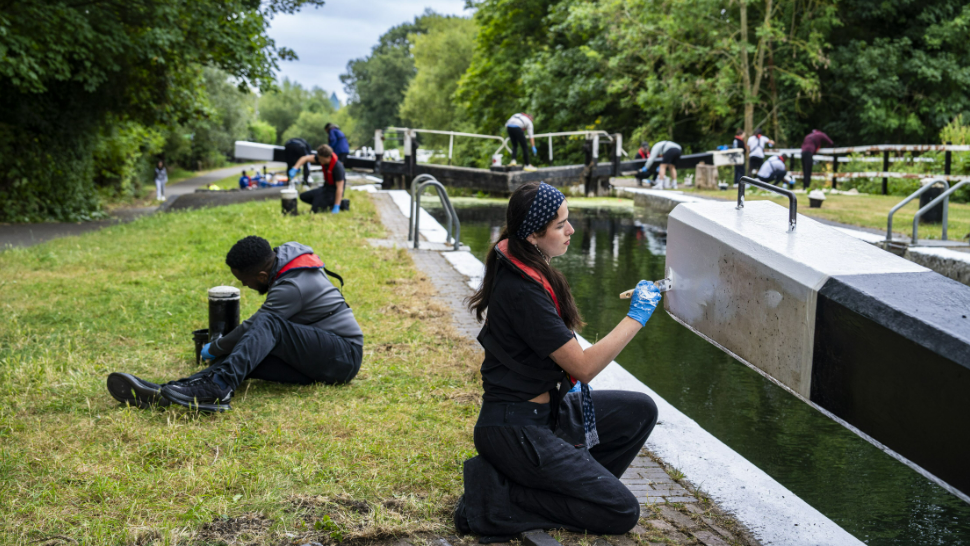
(376, 84)
(282, 107)
(440, 57)
(70, 68)
(900, 71)
(260, 131)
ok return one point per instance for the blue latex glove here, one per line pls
(578, 387)
(335, 209)
(643, 169)
(534, 151)
(206, 355)
(292, 173)
(644, 301)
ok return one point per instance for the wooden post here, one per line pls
(947, 159)
(835, 169)
(885, 168)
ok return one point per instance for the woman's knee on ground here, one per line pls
(624, 513)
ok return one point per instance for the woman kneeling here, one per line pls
(548, 458)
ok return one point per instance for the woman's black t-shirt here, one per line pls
(524, 322)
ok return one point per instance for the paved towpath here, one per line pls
(22, 235)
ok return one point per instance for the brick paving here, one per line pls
(672, 512)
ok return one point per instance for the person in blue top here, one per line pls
(244, 181)
(338, 142)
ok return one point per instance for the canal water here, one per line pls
(868, 493)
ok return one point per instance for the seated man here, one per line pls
(304, 333)
(329, 195)
(773, 170)
(244, 181)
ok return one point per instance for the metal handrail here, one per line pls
(596, 134)
(503, 142)
(914, 195)
(414, 185)
(943, 196)
(449, 209)
(792, 200)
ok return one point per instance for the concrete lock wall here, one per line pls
(878, 341)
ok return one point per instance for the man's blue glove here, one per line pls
(645, 298)
(534, 151)
(206, 355)
(335, 209)
(292, 173)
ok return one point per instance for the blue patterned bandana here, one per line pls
(544, 207)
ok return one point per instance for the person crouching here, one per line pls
(548, 458)
(304, 333)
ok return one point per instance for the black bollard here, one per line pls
(288, 198)
(223, 311)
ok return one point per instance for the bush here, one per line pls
(260, 131)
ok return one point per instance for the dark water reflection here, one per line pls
(871, 495)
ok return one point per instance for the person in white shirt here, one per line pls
(773, 170)
(518, 126)
(666, 152)
(756, 146)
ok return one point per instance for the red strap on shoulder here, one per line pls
(303, 261)
(503, 248)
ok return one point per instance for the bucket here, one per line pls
(200, 337)
(288, 199)
(815, 199)
(223, 311)
(497, 160)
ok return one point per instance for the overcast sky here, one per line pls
(326, 38)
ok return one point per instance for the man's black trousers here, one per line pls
(527, 477)
(275, 349)
(517, 136)
(807, 162)
(320, 199)
(738, 173)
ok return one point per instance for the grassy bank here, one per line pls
(377, 457)
(866, 210)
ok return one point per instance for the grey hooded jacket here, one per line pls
(301, 296)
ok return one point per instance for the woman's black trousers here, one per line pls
(528, 477)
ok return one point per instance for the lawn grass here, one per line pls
(378, 457)
(865, 210)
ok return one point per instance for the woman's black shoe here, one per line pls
(199, 394)
(461, 521)
(133, 391)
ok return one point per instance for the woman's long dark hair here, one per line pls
(524, 251)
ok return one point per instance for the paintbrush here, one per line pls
(663, 285)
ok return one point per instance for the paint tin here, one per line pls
(223, 311)
(200, 338)
(288, 200)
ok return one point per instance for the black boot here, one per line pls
(133, 391)
(201, 393)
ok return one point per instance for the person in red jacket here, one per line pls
(813, 141)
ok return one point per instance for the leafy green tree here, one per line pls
(282, 107)
(208, 140)
(441, 57)
(70, 68)
(376, 84)
(309, 126)
(260, 131)
(900, 70)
